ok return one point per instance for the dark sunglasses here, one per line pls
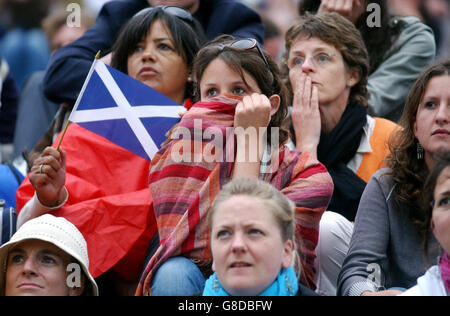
(245, 44)
(180, 13)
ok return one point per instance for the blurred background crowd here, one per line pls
(31, 30)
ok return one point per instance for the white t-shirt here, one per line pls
(430, 284)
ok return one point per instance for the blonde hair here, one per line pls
(282, 209)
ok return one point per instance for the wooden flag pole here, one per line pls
(97, 57)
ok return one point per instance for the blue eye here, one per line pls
(322, 58)
(223, 234)
(298, 61)
(255, 232)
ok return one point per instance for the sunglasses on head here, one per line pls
(245, 44)
(179, 12)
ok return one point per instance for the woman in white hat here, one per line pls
(47, 256)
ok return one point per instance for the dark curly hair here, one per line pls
(409, 173)
(443, 162)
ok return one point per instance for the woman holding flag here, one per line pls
(100, 187)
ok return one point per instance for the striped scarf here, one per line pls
(183, 192)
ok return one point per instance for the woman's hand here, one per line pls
(351, 9)
(251, 120)
(48, 175)
(253, 111)
(305, 113)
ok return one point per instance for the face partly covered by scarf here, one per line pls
(205, 130)
(183, 188)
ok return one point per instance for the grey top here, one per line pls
(385, 251)
(411, 53)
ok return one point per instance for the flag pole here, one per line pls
(97, 57)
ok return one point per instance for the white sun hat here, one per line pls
(57, 231)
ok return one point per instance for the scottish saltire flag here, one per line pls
(124, 110)
(117, 126)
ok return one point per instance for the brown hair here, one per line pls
(269, 80)
(378, 40)
(443, 162)
(334, 30)
(54, 22)
(408, 172)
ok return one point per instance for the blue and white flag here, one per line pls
(118, 124)
(124, 110)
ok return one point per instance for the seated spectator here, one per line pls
(35, 111)
(327, 65)
(273, 39)
(240, 89)
(434, 13)
(37, 259)
(400, 48)
(69, 66)
(10, 177)
(60, 34)
(437, 15)
(436, 281)
(390, 227)
(8, 110)
(25, 46)
(120, 260)
(252, 229)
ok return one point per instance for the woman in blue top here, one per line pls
(252, 230)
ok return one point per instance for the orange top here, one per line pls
(375, 160)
